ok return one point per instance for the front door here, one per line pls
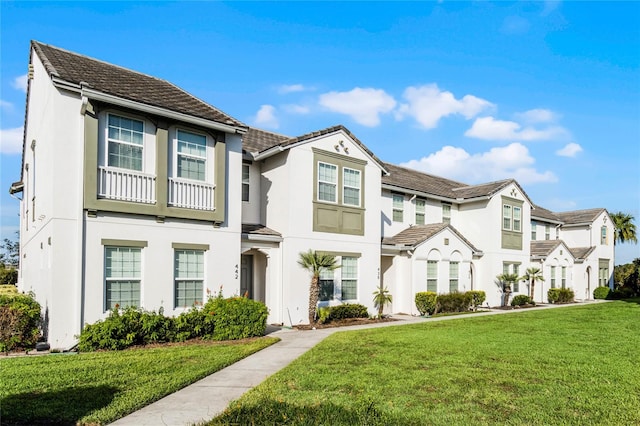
(246, 276)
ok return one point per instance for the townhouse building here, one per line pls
(136, 193)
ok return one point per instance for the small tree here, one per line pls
(505, 284)
(381, 298)
(532, 275)
(315, 263)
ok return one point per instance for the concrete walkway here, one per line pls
(209, 397)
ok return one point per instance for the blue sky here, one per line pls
(545, 92)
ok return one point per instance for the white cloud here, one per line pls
(291, 88)
(538, 115)
(511, 161)
(515, 25)
(428, 104)
(549, 6)
(11, 141)
(570, 150)
(362, 105)
(20, 83)
(488, 128)
(296, 109)
(266, 117)
(7, 106)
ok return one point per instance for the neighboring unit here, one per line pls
(136, 193)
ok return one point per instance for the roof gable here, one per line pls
(545, 248)
(579, 217)
(418, 234)
(126, 84)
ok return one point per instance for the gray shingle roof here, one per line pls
(126, 84)
(581, 252)
(544, 247)
(483, 189)
(419, 181)
(417, 234)
(579, 216)
(542, 213)
(257, 229)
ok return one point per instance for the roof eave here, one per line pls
(544, 219)
(263, 238)
(16, 187)
(420, 193)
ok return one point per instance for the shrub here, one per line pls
(426, 302)
(194, 323)
(8, 275)
(601, 292)
(477, 298)
(521, 300)
(453, 302)
(20, 319)
(236, 317)
(8, 289)
(348, 310)
(560, 295)
(324, 314)
(621, 293)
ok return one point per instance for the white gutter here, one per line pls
(432, 196)
(115, 100)
(266, 238)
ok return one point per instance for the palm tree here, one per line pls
(625, 228)
(315, 263)
(532, 275)
(381, 297)
(505, 283)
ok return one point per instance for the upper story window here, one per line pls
(191, 152)
(511, 218)
(125, 142)
(420, 211)
(446, 213)
(327, 182)
(547, 232)
(603, 235)
(398, 208)
(245, 182)
(351, 187)
(533, 231)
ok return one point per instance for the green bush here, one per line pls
(20, 320)
(621, 293)
(8, 275)
(453, 302)
(194, 323)
(560, 295)
(324, 314)
(348, 310)
(426, 302)
(601, 292)
(236, 317)
(477, 298)
(8, 288)
(521, 300)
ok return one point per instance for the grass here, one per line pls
(573, 365)
(98, 388)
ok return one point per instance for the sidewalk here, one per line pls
(209, 397)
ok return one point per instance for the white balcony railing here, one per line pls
(126, 185)
(191, 194)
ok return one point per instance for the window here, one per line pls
(446, 213)
(454, 270)
(420, 210)
(122, 275)
(432, 276)
(351, 187)
(506, 217)
(192, 155)
(603, 235)
(563, 274)
(603, 275)
(398, 208)
(125, 142)
(514, 269)
(511, 218)
(327, 182)
(517, 219)
(245, 182)
(553, 277)
(349, 271)
(533, 231)
(189, 277)
(547, 232)
(326, 285)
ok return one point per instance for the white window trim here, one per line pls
(344, 186)
(107, 139)
(356, 279)
(114, 279)
(176, 278)
(335, 184)
(421, 210)
(446, 218)
(434, 278)
(246, 182)
(208, 157)
(511, 216)
(397, 209)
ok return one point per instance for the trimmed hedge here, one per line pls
(426, 302)
(20, 320)
(560, 295)
(348, 310)
(521, 300)
(601, 292)
(453, 302)
(477, 298)
(219, 319)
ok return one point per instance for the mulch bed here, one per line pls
(343, 323)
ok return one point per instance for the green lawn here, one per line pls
(574, 365)
(97, 388)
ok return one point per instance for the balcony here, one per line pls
(191, 194)
(126, 185)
